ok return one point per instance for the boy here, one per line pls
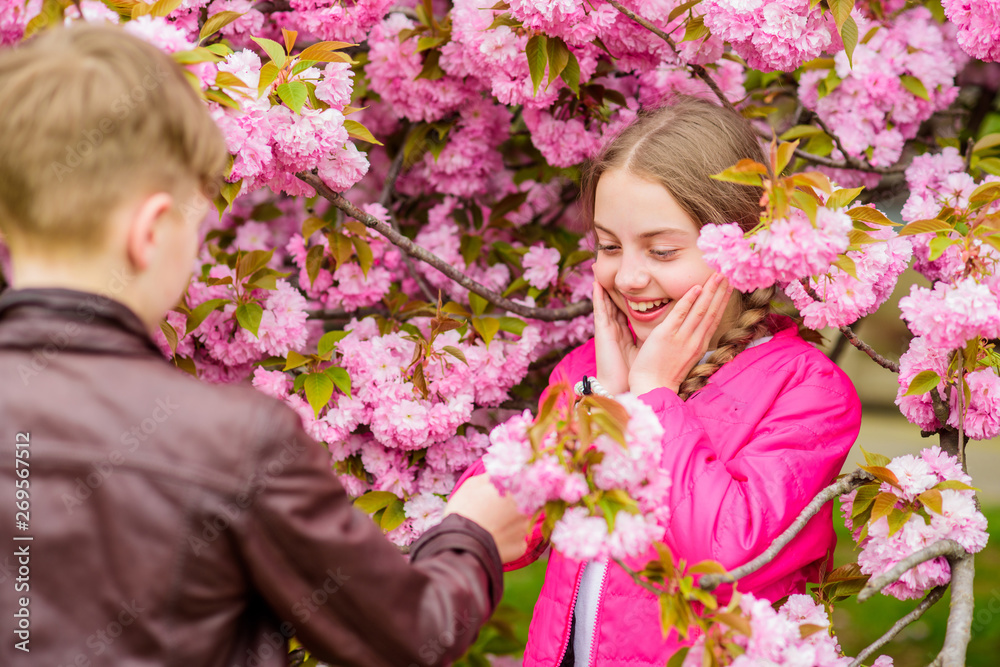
(150, 518)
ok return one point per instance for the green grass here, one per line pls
(856, 625)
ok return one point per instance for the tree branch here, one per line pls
(408, 246)
(869, 350)
(949, 548)
(845, 484)
(925, 604)
(959, 632)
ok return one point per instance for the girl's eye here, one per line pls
(666, 254)
(606, 248)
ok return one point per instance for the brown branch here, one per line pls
(869, 350)
(845, 484)
(424, 255)
(949, 548)
(959, 630)
(639, 580)
(936, 594)
(697, 70)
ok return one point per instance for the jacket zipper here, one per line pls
(572, 612)
(597, 617)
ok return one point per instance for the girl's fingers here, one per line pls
(702, 309)
(715, 313)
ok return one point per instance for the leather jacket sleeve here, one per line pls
(351, 596)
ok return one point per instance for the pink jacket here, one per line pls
(747, 453)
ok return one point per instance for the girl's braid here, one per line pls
(750, 324)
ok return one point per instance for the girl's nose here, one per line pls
(632, 277)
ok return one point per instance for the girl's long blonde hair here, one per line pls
(680, 146)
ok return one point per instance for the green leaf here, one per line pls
(487, 327)
(199, 314)
(268, 73)
(506, 205)
(938, 245)
(956, 485)
(512, 325)
(358, 131)
(695, 29)
(847, 265)
(470, 247)
(537, 58)
(314, 262)
(340, 378)
(869, 214)
(923, 383)
(373, 501)
(883, 505)
(457, 353)
(915, 86)
(864, 498)
(841, 10)
(248, 316)
(294, 94)
(746, 172)
(987, 142)
(518, 283)
(925, 227)
(478, 303)
(170, 334)
(800, 131)
(275, 51)
(329, 341)
(571, 74)
(873, 459)
(251, 262)
(319, 390)
(898, 519)
(849, 35)
(931, 499)
(394, 516)
(991, 165)
(364, 252)
(558, 55)
(294, 360)
(680, 9)
(217, 22)
(843, 197)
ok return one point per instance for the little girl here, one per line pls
(753, 429)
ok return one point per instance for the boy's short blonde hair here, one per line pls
(91, 118)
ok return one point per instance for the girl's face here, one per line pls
(647, 257)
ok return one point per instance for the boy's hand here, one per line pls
(616, 350)
(478, 500)
(679, 342)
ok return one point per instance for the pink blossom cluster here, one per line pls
(534, 478)
(978, 24)
(771, 35)
(870, 109)
(271, 143)
(14, 17)
(776, 636)
(958, 520)
(919, 408)
(393, 68)
(791, 248)
(845, 298)
(950, 315)
(339, 20)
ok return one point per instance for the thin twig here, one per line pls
(851, 336)
(949, 548)
(845, 484)
(936, 594)
(639, 580)
(959, 632)
(697, 70)
(867, 349)
(424, 255)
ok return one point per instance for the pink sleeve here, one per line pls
(536, 544)
(730, 507)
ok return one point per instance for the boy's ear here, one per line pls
(144, 228)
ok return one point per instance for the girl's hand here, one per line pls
(613, 341)
(679, 342)
(478, 500)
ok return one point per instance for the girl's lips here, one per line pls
(646, 315)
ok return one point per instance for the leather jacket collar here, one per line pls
(71, 319)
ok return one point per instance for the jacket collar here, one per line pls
(71, 319)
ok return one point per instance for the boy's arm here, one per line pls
(353, 599)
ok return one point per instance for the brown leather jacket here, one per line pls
(167, 521)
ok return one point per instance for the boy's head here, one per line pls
(108, 159)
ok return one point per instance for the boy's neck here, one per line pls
(118, 284)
